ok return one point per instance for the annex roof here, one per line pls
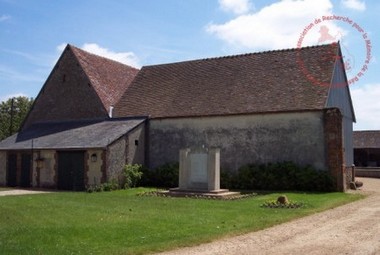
(270, 81)
(367, 139)
(71, 135)
(109, 78)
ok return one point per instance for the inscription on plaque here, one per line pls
(198, 167)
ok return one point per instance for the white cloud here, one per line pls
(4, 18)
(367, 106)
(236, 6)
(275, 26)
(354, 4)
(61, 47)
(6, 97)
(128, 58)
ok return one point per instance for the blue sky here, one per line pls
(146, 32)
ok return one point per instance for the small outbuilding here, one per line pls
(69, 139)
(367, 153)
(72, 155)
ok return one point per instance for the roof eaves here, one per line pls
(235, 114)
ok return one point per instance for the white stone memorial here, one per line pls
(199, 175)
(199, 170)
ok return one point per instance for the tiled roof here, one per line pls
(367, 139)
(109, 78)
(269, 81)
(71, 135)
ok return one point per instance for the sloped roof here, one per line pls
(109, 78)
(71, 135)
(269, 81)
(367, 139)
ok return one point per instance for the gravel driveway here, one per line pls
(350, 229)
(15, 192)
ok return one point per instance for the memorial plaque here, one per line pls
(199, 173)
(198, 167)
(199, 170)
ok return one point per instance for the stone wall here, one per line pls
(334, 146)
(371, 172)
(350, 175)
(94, 168)
(242, 139)
(116, 160)
(136, 146)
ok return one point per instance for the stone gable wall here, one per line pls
(66, 95)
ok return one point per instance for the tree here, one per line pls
(12, 114)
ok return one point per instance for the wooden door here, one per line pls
(26, 166)
(71, 170)
(12, 170)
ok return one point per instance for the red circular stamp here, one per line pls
(324, 31)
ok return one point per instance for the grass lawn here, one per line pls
(120, 222)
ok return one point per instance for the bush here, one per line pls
(132, 174)
(228, 179)
(107, 186)
(277, 176)
(165, 176)
(282, 176)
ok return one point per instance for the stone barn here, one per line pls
(267, 107)
(284, 105)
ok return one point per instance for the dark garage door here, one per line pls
(12, 170)
(25, 170)
(71, 170)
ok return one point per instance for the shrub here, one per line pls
(132, 174)
(283, 176)
(107, 186)
(228, 179)
(276, 204)
(165, 176)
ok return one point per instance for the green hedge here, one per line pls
(277, 176)
(165, 176)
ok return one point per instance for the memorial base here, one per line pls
(220, 193)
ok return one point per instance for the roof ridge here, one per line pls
(245, 54)
(98, 56)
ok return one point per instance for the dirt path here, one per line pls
(15, 192)
(349, 229)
